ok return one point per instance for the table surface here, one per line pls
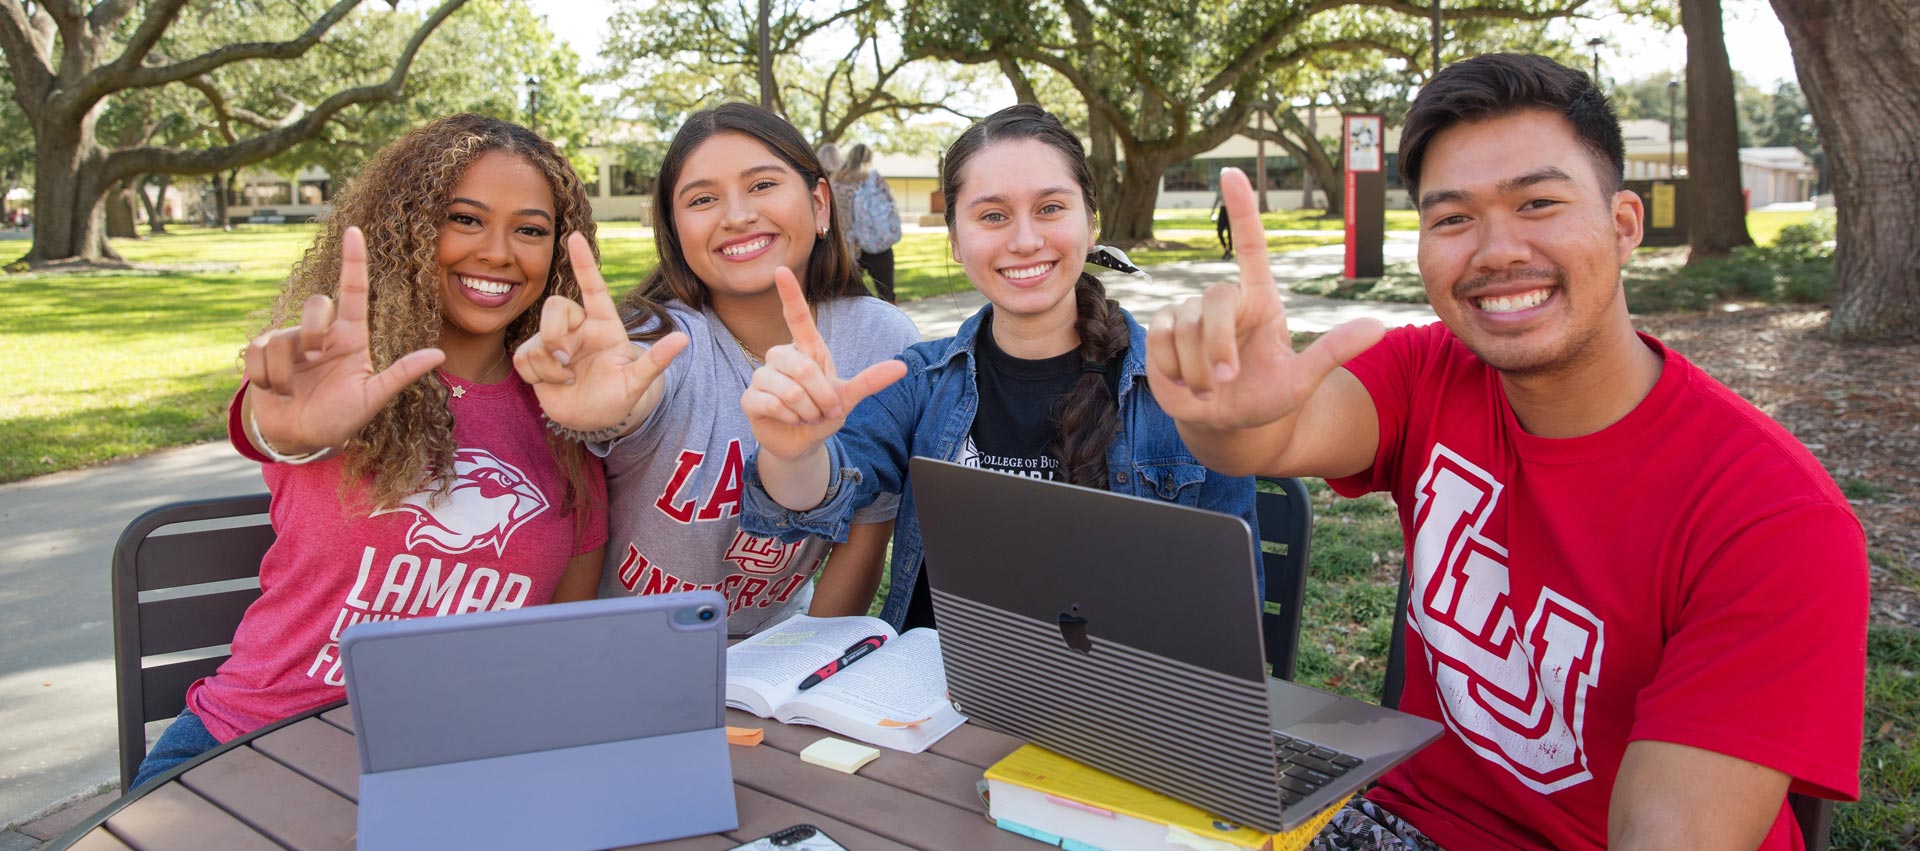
(294, 785)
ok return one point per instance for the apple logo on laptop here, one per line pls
(1073, 629)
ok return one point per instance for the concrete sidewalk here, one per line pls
(57, 717)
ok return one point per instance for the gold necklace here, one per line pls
(752, 359)
(458, 391)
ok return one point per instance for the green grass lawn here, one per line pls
(1764, 225)
(112, 365)
(119, 364)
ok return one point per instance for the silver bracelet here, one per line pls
(598, 435)
(260, 441)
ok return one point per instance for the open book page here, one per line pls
(765, 670)
(900, 687)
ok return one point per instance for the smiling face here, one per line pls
(1021, 230)
(495, 248)
(741, 212)
(1521, 243)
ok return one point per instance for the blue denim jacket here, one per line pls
(930, 413)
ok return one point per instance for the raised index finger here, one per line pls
(593, 288)
(353, 277)
(793, 305)
(1249, 241)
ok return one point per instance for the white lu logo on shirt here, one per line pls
(1515, 696)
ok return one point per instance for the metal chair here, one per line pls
(184, 621)
(1286, 520)
(1814, 815)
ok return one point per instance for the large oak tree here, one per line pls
(67, 60)
(1859, 66)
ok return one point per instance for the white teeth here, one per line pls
(1028, 272)
(746, 247)
(1509, 304)
(487, 287)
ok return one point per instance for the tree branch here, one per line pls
(153, 24)
(66, 16)
(1022, 87)
(107, 15)
(26, 58)
(125, 72)
(122, 164)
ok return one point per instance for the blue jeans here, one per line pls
(184, 739)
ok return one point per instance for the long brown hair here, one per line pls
(399, 200)
(1087, 416)
(830, 271)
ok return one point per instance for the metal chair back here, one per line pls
(167, 632)
(1286, 521)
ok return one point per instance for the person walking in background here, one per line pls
(872, 222)
(1221, 230)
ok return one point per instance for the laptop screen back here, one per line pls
(1122, 632)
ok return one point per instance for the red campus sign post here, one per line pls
(1363, 138)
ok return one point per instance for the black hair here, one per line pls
(1499, 84)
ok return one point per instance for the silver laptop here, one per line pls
(1125, 633)
(573, 726)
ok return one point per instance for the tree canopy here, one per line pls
(71, 67)
(1162, 82)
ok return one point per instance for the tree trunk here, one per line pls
(157, 203)
(222, 184)
(1322, 170)
(1717, 221)
(68, 200)
(1859, 65)
(1129, 220)
(120, 223)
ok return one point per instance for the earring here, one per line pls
(823, 231)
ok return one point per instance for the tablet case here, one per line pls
(571, 726)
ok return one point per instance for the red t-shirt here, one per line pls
(500, 540)
(1689, 574)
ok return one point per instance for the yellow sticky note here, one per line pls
(838, 754)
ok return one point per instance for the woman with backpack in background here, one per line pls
(872, 221)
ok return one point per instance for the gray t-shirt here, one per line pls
(673, 485)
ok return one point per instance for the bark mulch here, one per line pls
(1856, 407)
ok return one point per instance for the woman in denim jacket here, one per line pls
(1048, 380)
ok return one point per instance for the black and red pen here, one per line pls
(860, 648)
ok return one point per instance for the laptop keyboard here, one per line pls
(1305, 767)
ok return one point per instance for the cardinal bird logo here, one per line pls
(490, 499)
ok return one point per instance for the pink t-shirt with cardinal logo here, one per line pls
(500, 540)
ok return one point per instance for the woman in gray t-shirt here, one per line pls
(739, 198)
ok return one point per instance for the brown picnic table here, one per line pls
(295, 784)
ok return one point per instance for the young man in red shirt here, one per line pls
(1639, 605)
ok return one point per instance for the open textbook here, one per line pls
(894, 697)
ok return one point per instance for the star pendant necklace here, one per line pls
(459, 391)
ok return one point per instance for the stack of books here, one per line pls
(1045, 796)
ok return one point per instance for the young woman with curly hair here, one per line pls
(654, 384)
(1047, 380)
(409, 470)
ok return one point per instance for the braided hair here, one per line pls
(1085, 418)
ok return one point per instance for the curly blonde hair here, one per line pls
(399, 201)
